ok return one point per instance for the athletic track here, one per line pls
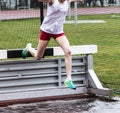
(21, 14)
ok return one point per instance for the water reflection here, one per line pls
(90, 105)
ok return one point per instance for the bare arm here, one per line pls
(74, 0)
(45, 0)
(42, 0)
(49, 1)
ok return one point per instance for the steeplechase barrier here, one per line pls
(30, 79)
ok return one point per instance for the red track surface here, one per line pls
(21, 14)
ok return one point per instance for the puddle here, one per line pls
(90, 105)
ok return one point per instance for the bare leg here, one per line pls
(64, 44)
(38, 54)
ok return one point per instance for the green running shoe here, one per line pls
(25, 51)
(69, 83)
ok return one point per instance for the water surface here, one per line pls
(89, 105)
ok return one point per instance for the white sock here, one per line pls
(68, 79)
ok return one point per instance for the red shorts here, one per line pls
(47, 36)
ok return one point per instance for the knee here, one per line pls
(38, 57)
(68, 53)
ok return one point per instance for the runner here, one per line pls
(52, 26)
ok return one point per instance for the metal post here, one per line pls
(75, 13)
(69, 11)
(41, 12)
(28, 4)
(0, 11)
(15, 4)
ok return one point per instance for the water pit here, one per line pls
(89, 105)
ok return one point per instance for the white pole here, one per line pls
(75, 13)
(28, 4)
(0, 11)
(69, 12)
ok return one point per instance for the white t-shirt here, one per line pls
(55, 18)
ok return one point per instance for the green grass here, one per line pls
(107, 37)
(15, 34)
